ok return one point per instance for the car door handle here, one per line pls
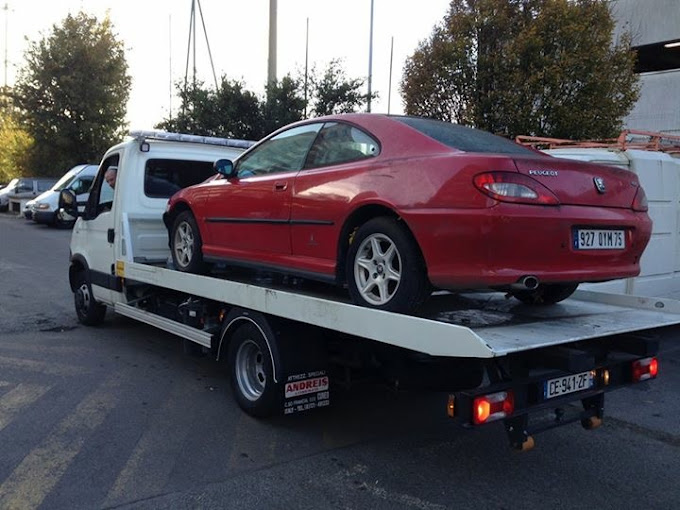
(280, 186)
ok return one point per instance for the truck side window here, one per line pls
(164, 177)
(101, 194)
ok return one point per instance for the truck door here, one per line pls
(96, 233)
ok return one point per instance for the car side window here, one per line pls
(25, 186)
(81, 185)
(341, 143)
(284, 152)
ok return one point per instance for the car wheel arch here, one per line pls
(78, 265)
(357, 218)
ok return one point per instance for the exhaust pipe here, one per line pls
(526, 283)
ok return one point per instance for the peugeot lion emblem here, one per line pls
(599, 184)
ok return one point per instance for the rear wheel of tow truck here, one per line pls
(251, 371)
(545, 294)
(89, 311)
(186, 244)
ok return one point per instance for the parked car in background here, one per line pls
(4, 194)
(45, 208)
(25, 189)
(395, 206)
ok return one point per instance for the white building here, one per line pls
(655, 27)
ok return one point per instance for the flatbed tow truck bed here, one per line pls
(531, 360)
(468, 325)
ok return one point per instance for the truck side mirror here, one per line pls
(68, 203)
(225, 167)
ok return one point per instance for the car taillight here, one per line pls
(514, 187)
(640, 201)
(644, 369)
(492, 407)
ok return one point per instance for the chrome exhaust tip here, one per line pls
(526, 283)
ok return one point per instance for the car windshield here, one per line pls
(64, 181)
(464, 138)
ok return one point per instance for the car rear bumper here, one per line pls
(497, 246)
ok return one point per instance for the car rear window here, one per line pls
(463, 138)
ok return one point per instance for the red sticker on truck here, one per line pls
(306, 386)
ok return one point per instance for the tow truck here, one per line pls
(287, 342)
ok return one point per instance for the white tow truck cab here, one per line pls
(287, 341)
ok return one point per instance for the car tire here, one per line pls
(385, 269)
(88, 310)
(251, 372)
(186, 244)
(545, 294)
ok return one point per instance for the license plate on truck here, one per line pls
(592, 239)
(568, 384)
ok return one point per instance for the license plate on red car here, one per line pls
(568, 384)
(593, 239)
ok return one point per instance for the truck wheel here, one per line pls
(385, 268)
(252, 379)
(89, 311)
(545, 294)
(186, 244)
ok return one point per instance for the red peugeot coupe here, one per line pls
(397, 206)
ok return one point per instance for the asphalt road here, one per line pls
(120, 417)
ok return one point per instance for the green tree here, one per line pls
(15, 144)
(543, 67)
(230, 112)
(284, 103)
(72, 93)
(333, 92)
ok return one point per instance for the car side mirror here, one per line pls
(225, 167)
(68, 203)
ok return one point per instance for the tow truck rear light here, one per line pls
(514, 187)
(644, 369)
(492, 407)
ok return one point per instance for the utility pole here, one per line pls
(306, 64)
(6, 9)
(370, 63)
(389, 88)
(271, 68)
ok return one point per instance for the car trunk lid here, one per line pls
(581, 183)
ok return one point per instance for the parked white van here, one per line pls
(44, 208)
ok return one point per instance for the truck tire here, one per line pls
(385, 269)
(250, 368)
(545, 294)
(89, 311)
(186, 244)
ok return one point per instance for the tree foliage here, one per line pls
(543, 67)
(15, 144)
(333, 92)
(72, 93)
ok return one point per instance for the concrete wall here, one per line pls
(658, 108)
(649, 21)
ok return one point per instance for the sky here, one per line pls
(155, 34)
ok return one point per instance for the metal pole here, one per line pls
(306, 64)
(389, 89)
(271, 69)
(6, 9)
(370, 63)
(170, 65)
(193, 27)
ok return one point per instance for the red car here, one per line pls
(397, 206)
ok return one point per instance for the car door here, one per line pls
(247, 217)
(95, 232)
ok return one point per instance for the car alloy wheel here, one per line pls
(184, 244)
(385, 268)
(377, 269)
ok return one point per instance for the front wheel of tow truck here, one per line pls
(89, 311)
(251, 369)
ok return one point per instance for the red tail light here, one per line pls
(640, 201)
(492, 407)
(644, 369)
(514, 187)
